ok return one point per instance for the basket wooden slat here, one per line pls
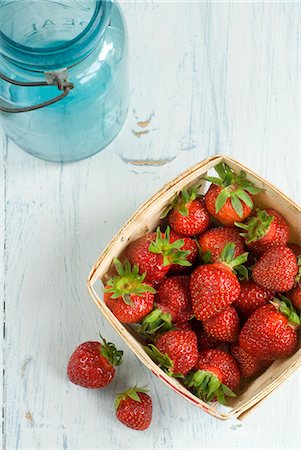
(146, 219)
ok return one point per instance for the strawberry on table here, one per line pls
(213, 241)
(216, 378)
(270, 332)
(224, 326)
(187, 213)
(276, 269)
(190, 245)
(230, 197)
(154, 254)
(127, 295)
(134, 408)
(250, 298)
(91, 365)
(248, 364)
(266, 228)
(214, 286)
(176, 351)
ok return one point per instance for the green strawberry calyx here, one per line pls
(162, 359)
(110, 352)
(227, 257)
(132, 393)
(207, 386)
(156, 321)
(181, 200)
(256, 226)
(285, 306)
(234, 186)
(171, 251)
(127, 281)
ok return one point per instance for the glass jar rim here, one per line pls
(62, 55)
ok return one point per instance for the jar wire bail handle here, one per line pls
(57, 78)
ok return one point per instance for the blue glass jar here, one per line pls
(78, 46)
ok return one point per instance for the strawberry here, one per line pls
(224, 326)
(270, 331)
(229, 197)
(206, 342)
(173, 293)
(295, 296)
(217, 376)
(213, 241)
(250, 298)
(186, 326)
(154, 254)
(187, 213)
(190, 245)
(264, 229)
(126, 294)
(134, 408)
(91, 365)
(214, 287)
(248, 364)
(176, 351)
(276, 269)
(173, 305)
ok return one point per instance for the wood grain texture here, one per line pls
(214, 77)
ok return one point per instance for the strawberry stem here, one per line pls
(256, 227)
(154, 322)
(109, 351)
(162, 359)
(285, 306)
(127, 281)
(227, 256)
(172, 253)
(181, 200)
(132, 393)
(235, 187)
(206, 385)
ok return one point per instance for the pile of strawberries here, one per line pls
(215, 292)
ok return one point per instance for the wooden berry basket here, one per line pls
(146, 219)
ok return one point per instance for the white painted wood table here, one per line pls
(213, 77)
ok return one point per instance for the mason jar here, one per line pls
(64, 76)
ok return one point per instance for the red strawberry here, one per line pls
(296, 249)
(224, 326)
(295, 296)
(205, 342)
(229, 198)
(213, 241)
(190, 246)
(186, 326)
(134, 408)
(173, 294)
(264, 229)
(176, 351)
(214, 287)
(248, 364)
(250, 298)
(173, 306)
(218, 376)
(91, 365)
(187, 213)
(126, 294)
(276, 269)
(154, 254)
(270, 331)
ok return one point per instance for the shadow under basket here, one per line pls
(145, 220)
